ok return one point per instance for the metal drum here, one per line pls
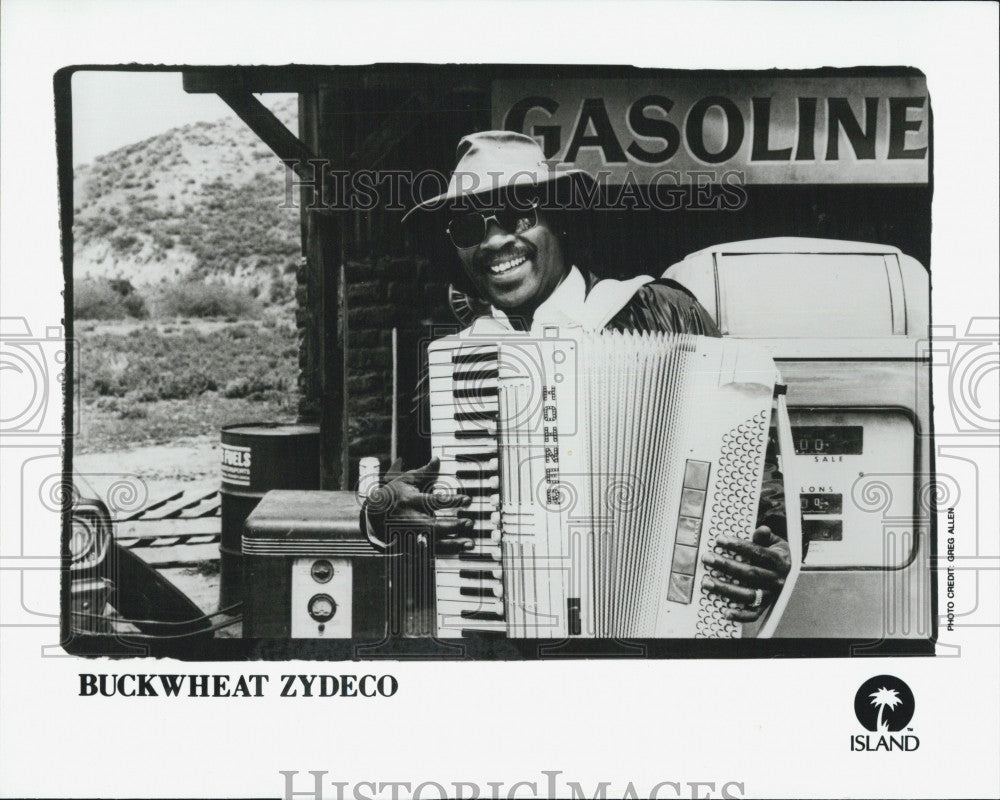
(256, 458)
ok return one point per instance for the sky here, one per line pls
(113, 109)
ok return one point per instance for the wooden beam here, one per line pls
(211, 80)
(285, 144)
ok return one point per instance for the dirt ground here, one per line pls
(159, 466)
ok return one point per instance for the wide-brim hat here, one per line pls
(491, 161)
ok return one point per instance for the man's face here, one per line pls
(515, 271)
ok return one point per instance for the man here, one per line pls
(515, 258)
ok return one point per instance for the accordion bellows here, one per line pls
(602, 466)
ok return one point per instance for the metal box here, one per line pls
(310, 571)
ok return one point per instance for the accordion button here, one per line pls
(680, 588)
(685, 560)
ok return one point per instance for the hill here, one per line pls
(200, 201)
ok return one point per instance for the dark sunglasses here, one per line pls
(468, 230)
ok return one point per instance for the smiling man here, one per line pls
(514, 253)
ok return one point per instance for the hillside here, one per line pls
(200, 201)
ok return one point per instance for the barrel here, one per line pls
(256, 458)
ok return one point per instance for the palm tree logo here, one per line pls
(884, 703)
(883, 698)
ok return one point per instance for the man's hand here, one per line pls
(405, 506)
(766, 562)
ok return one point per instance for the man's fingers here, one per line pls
(444, 547)
(439, 500)
(765, 556)
(763, 536)
(743, 614)
(747, 574)
(394, 471)
(451, 536)
(427, 474)
(738, 594)
(429, 502)
(450, 527)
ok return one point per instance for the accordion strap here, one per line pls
(793, 516)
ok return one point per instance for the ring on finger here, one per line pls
(758, 598)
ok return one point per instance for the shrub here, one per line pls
(95, 299)
(189, 383)
(125, 243)
(123, 370)
(254, 388)
(100, 298)
(135, 306)
(132, 412)
(105, 383)
(194, 298)
(237, 387)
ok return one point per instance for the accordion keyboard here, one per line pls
(463, 417)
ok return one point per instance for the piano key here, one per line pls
(477, 622)
(449, 449)
(475, 468)
(471, 354)
(476, 451)
(481, 516)
(480, 574)
(482, 391)
(483, 616)
(476, 491)
(477, 457)
(480, 591)
(481, 602)
(492, 482)
(486, 587)
(476, 356)
(448, 434)
(464, 434)
(483, 548)
(443, 405)
(451, 570)
(482, 535)
(444, 381)
(486, 415)
(469, 560)
(475, 375)
(450, 615)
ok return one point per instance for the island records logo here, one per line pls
(884, 705)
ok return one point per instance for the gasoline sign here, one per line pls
(767, 127)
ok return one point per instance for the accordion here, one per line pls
(602, 466)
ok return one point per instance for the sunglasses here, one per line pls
(468, 230)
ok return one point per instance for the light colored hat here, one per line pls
(489, 161)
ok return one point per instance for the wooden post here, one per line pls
(324, 253)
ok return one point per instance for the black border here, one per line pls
(121, 646)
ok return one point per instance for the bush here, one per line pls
(189, 383)
(95, 299)
(255, 388)
(132, 412)
(121, 371)
(135, 306)
(100, 298)
(194, 298)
